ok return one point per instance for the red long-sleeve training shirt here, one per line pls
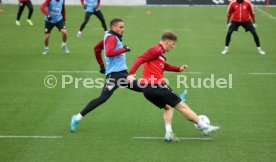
(21, 1)
(154, 65)
(242, 12)
(110, 51)
(98, 51)
(45, 12)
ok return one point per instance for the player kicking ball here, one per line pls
(158, 92)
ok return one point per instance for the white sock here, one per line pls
(259, 48)
(168, 128)
(79, 117)
(63, 44)
(46, 47)
(202, 124)
(226, 47)
(79, 32)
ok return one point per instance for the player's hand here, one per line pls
(97, 9)
(102, 70)
(182, 67)
(131, 78)
(49, 17)
(127, 48)
(255, 25)
(228, 25)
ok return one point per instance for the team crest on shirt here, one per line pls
(162, 65)
(244, 7)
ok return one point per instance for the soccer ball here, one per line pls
(203, 118)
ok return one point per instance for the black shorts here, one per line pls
(27, 3)
(161, 95)
(49, 26)
(248, 26)
(119, 79)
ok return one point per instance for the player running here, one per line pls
(91, 7)
(54, 11)
(22, 4)
(157, 91)
(243, 15)
(116, 71)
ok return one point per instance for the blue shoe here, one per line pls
(184, 95)
(74, 124)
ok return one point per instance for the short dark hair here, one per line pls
(168, 35)
(114, 21)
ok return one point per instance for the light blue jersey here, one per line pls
(115, 63)
(91, 5)
(54, 9)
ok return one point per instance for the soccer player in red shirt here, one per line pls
(243, 15)
(157, 91)
(22, 4)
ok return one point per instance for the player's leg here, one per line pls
(190, 115)
(168, 116)
(173, 100)
(19, 13)
(86, 19)
(47, 30)
(46, 43)
(107, 91)
(101, 18)
(249, 27)
(31, 9)
(233, 27)
(61, 26)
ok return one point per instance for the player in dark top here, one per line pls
(22, 4)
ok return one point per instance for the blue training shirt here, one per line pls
(54, 9)
(115, 63)
(90, 5)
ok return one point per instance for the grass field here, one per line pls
(246, 112)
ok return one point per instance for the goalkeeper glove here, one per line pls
(102, 70)
(127, 48)
(49, 17)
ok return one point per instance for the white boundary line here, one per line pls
(182, 138)
(33, 137)
(267, 14)
(261, 73)
(92, 71)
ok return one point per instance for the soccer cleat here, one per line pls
(170, 137)
(74, 124)
(17, 23)
(79, 34)
(261, 52)
(210, 129)
(225, 51)
(184, 95)
(46, 51)
(66, 50)
(30, 22)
